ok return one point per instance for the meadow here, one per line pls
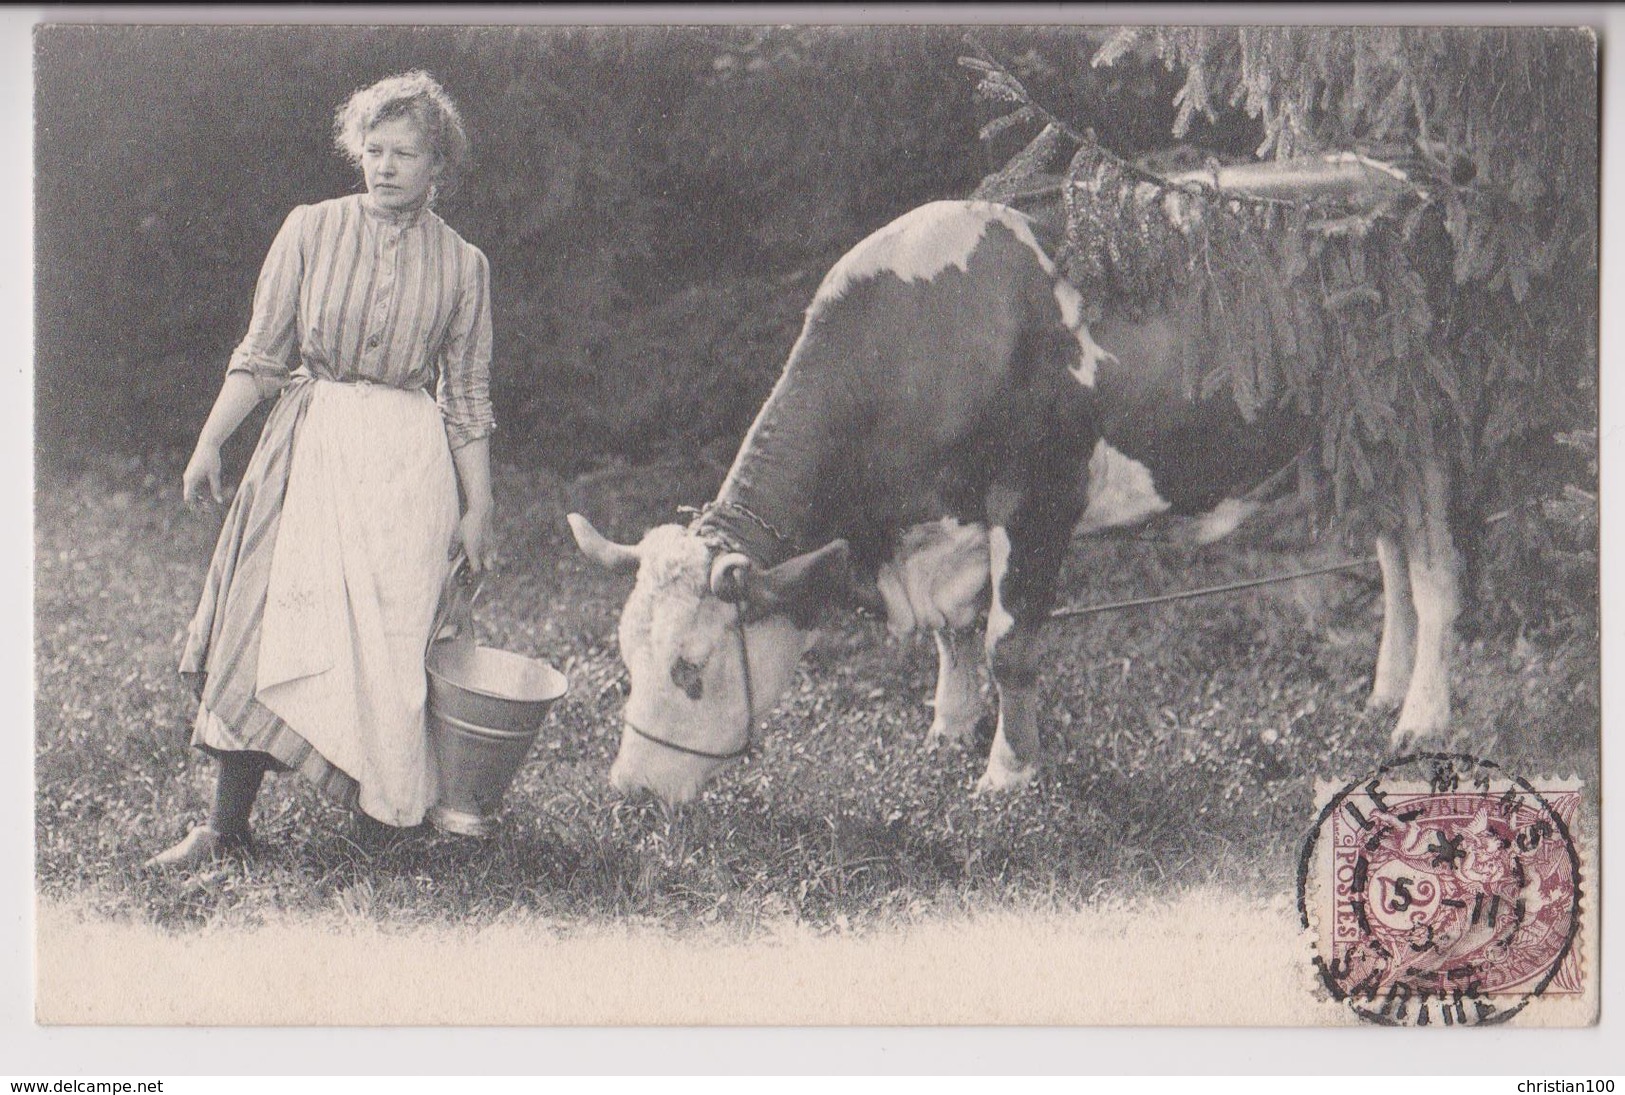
(1186, 740)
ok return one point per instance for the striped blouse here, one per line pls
(368, 294)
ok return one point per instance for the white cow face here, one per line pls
(680, 636)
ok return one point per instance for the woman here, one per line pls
(307, 647)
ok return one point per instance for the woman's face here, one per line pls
(398, 163)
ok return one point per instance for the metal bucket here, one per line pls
(486, 709)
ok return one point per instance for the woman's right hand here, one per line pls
(204, 467)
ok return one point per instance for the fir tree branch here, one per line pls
(997, 82)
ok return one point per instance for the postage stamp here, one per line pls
(1441, 889)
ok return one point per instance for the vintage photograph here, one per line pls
(762, 525)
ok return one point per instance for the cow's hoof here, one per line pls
(1377, 704)
(1004, 779)
(1408, 738)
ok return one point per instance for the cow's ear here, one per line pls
(804, 584)
(604, 552)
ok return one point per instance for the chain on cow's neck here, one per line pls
(763, 523)
(713, 518)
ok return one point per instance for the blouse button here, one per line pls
(372, 343)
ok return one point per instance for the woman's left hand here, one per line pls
(474, 532)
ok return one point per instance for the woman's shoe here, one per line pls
(202, 845)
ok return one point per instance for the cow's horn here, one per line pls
(604, 552)
(730, 576)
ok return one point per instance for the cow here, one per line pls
(945, 424)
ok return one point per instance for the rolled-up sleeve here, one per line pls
(273, 329)
(464, 391)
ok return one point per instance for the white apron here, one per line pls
(360, 557)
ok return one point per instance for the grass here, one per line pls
(1186, 740)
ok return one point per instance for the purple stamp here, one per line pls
(1440, 890)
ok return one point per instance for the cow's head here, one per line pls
(693, 615)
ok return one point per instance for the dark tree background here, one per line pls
(658, 203)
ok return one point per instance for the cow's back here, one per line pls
(946, 328)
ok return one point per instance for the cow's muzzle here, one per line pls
(641, 770)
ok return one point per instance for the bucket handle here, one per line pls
(458, 593)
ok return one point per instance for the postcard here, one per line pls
(781, 525)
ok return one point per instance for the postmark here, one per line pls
(1442, 890)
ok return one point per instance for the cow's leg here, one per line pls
(1032, 506)
(1013, 760)
(1397, 652)
(958, 704)
(1025, 560)
(1435, 572)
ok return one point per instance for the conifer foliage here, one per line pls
(1449, 309)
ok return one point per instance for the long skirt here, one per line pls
(309, 638)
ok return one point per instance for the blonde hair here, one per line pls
(415, 95)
